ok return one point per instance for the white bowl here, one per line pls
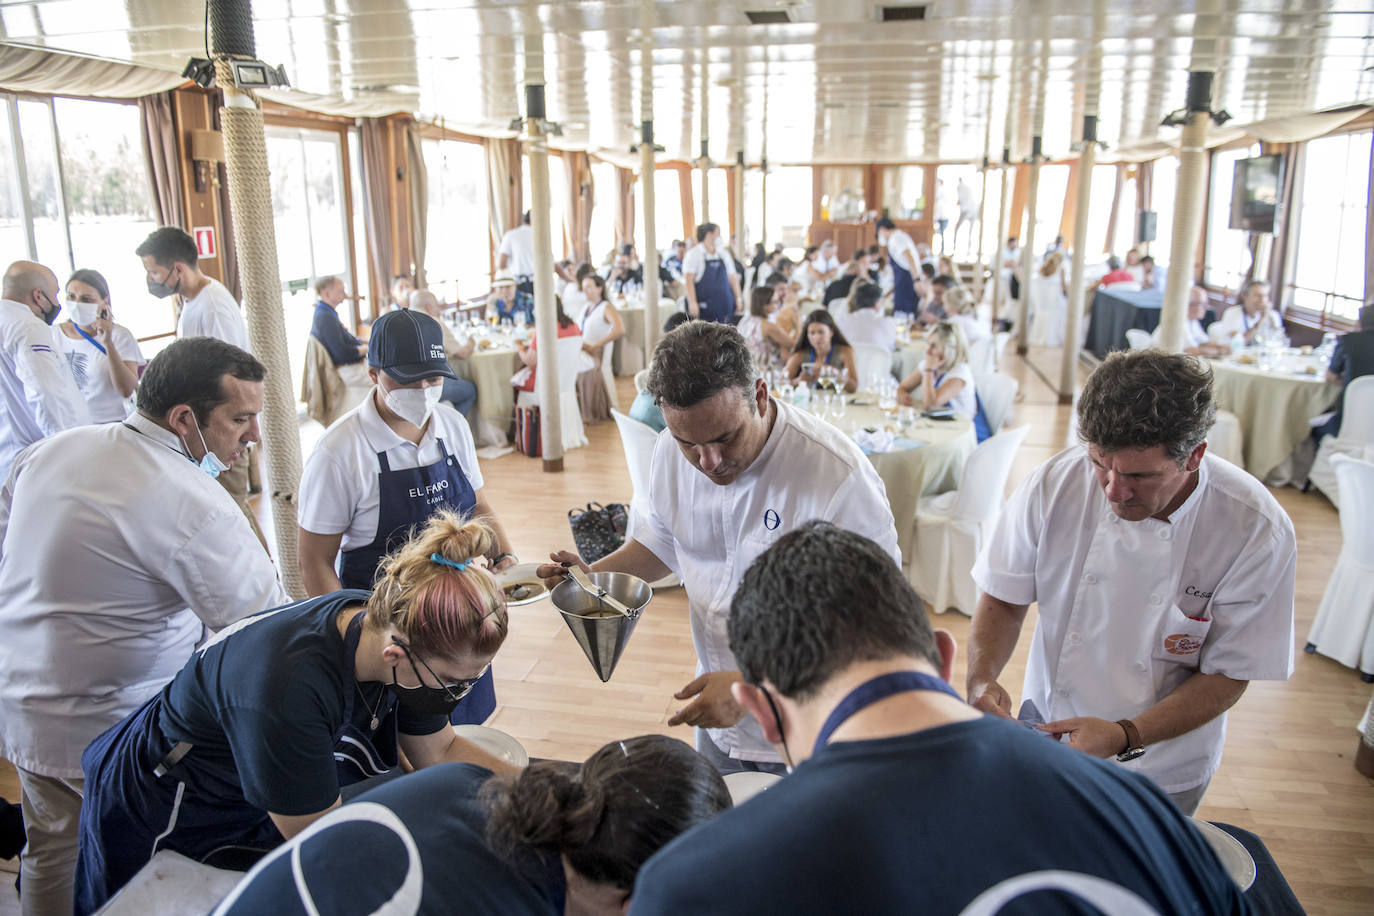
(495, 742)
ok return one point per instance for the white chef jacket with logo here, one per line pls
(1130, 610)
(708, 534)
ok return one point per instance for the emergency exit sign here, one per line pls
(205, 241)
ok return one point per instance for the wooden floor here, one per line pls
(1287, 773)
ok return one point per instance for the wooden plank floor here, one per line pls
(1287, 773)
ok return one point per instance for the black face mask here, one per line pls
(50, 314)
(162, 290)
(422, 700)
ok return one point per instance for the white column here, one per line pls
(545, 312)
(1190, 196)
(1028, 252)
(1068, 370)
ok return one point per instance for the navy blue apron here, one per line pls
(407, 499)
(903, 292)
(140, 797)
(715, 299)
(871, 691)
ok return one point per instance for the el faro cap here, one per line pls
(408, 346)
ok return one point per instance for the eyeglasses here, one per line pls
(455, 691)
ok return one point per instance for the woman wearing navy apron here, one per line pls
(709, 277)
(252, 741)
(386, 466)
(901, 254)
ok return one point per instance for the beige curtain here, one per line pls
(581, 198)
(58, 72)
(624, 207)
(158, 126)
(418, 187)
(374, 136)
(503, 186)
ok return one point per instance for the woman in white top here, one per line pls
(766, 340)
(963, 311)
(104, 357)
(601, 324)
(822, 349)
(1049, 302)
(1254, 317)
(944, 377)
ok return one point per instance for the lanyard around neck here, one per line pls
(871, 691)
(95, 343)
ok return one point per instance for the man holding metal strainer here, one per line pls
(734, 471)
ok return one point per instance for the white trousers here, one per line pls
(47, 869)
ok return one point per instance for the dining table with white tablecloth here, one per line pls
(1274, 393)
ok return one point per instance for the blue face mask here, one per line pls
(209, 462)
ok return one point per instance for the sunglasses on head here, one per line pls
(456, 691)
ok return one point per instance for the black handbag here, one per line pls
(598, 530)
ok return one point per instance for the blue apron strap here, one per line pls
(879, 688)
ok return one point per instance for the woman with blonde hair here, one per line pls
(257, 735)
(1049, 301)
(945, 378)
(963, 311)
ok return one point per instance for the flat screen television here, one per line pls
(1255, 193)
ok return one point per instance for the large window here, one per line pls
(1126, 217)
(1328, 271)
(842, 192)
(558, 199)
(1163, 182)
(789, 208)
(1049, 207)
(904, 191)
(720, 199)
(1100, 210)
(605, 190)
(668, 222)
(1228, 250)
(458, 239)
(753, 211)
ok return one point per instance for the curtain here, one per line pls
(1285, 229)
(1111, 240)
(158, 126)
(228, 248)
(418, 187)
(503, 186)
(45, 71)
(624, 207)
(377, 214)
(689, 216)
(578, 213)
(736, 231)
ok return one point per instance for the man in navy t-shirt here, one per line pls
(903, 797)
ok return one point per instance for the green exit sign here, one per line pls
(296, 286)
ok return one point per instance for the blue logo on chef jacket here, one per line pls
(360, 859)
(771, 520)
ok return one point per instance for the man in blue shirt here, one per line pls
(901, 797)
(344, 349)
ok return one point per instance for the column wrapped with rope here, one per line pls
(1190, 196)
(250, 201)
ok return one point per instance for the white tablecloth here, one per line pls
(1273, 404)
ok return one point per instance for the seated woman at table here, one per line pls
(786, 295)
(945, 378)
(523, 380)
(822, 346)
(1255, 316)
(600, 324)
(766, 339)
(963, 311)
(557, 838)
(254, 738)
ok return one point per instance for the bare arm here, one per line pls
(778, 335)
(992, 638)
(632, 557)
(123, 372)
(316, 553)
(689, 282)
(734, 288)
(1191, 704)
(291, 824)
(938, 397)
(445, 747)
(483, 510)
(851, 384)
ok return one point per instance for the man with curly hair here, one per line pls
(1163, 575)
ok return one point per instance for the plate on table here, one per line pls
(744, 786)
(495, 742)
(1233, 855)
(522, 584)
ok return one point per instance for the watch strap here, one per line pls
(1134, 745)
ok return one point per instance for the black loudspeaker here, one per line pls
(1145, 225)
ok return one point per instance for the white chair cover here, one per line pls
(1226, 439)
(638, 440)
(871, 363)
(1344, 628)
(950, 528)
(980, 356)
(1002, 338)
(1138, 339)
(1355, 440)
(608, 374)
(997, 392)
(569, 365)
(1049, 310)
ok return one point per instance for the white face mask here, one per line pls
(414, 405)
(83, 313)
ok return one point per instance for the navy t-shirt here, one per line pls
(417, 841)
(261, 705)
(932, 821)
(329, 330)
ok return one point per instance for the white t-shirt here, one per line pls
(1194, 334)
(116, 552)
(37, 394)
(965, 402)
(898, 242)
(867, 326)
(214, 313)
(1130, 610)
(518, 245)
(91, 370)
(709, 534)
(1235, 321)
(694, 261)
(340, 492)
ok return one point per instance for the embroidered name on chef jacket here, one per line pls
(432, 494)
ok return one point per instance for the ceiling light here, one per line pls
(768, 17)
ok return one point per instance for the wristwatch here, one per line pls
(1134, 746)
(496, 560)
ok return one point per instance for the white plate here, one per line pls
(744, 786)
(523, 573)
(1233, 855)
(495, 742)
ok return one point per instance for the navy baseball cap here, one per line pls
(408, 346)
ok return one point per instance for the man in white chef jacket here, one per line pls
(1163, 576)
(733, 472)
(117, 550)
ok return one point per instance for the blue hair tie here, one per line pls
(445, 561)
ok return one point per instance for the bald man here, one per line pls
(38, 396)
(459, 392)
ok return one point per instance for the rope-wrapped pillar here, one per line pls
(1028, 251)
(1190, 196)
(250, 202)
(545, 313)
(1068, 370)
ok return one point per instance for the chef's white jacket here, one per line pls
(1130, 610)
(214, 313)
(37, 391)
(116, 551)
(708, 534)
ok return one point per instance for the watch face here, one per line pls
(1130, 753)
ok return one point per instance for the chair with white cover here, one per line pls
(569, 365)
(1226, 439)
(1344, 628)
(1002, 338)
(638, 440)
(608, 374)
(1138, 339)
(950, 528)
(871, 362)
(1355, 439)
(980, 355)
(997, 392)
